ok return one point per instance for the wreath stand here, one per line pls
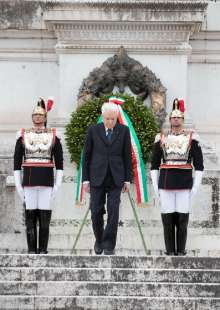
(132, 203)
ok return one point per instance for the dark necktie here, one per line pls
(109, 134)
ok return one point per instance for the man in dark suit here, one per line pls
(106, 170)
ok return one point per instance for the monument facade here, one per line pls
(51, 47)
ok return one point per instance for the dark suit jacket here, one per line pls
(99, 154)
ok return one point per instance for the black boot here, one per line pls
(182, 220)
(31, 230)
(169, 232)
(44, 223)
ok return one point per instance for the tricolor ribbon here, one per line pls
(80, 193)
(137, 160)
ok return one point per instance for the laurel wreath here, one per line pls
(142, 118)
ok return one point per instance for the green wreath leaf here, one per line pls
(142, 118)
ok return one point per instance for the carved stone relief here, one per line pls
(121, 71)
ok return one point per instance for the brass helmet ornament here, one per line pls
(178, 108)
(41, 107)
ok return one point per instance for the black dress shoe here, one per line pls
(109, 252)
(169, 253)
(32, 252)
(98, 248)
(181, 253)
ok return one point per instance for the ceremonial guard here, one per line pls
(38, 151)
(175, 154)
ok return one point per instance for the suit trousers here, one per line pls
(107, 235)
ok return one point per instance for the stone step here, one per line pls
(83, 288)
(102, 261)
(198, 244)
(109, 275)
(106, 303)
(38, 282)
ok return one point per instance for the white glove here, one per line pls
(19, 188)
(58, 182)
(155, 177)
(86, 186)
(196, 182)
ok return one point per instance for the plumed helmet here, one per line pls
(41, 107)
(178, 108)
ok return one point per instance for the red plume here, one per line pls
(50, 102)
(181, 105)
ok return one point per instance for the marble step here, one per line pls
(102, 261)
(109, 274)
(99, 288)
(198, 244)
(106, 303)
(49, 282)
